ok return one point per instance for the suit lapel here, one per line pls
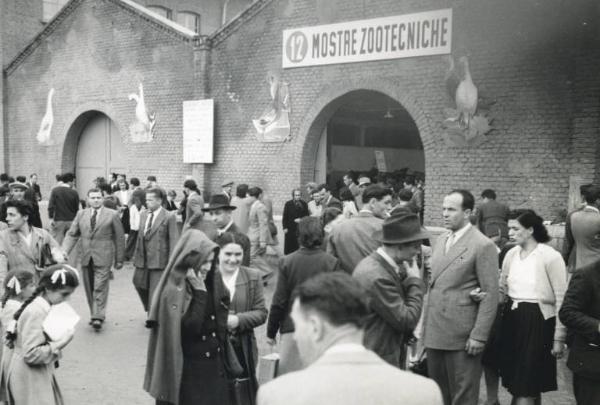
(156, 222)
(455, 251)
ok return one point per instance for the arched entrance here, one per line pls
(100, 150)
(366, 131)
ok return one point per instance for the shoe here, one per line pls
(97, 324)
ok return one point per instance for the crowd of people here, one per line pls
(363, 293)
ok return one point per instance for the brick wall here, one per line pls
(20, 21)
(527, 55)
(94, 58)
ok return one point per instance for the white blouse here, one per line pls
(522, 278)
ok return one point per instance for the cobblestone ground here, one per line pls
(107, 368)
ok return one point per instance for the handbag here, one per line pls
(240, 390)
(420, 366)
(233, 366)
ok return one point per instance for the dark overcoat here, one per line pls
(291, 212)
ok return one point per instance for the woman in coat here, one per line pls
(534, 280)
(188, 321)
(294, 209)
(247, 310)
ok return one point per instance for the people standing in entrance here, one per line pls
(417, 198)
(293, 210)
(259, 233)
(314, 205)
(580, 313)
(221, 214)
(31, 377)
(326, 199)
(351, 185)
(456, 327)
(393, 281)
(23, 246)
(247, 309)
(102, 245)
(294, 269)
(155, 244)
(35, 187)
(226, 190)
(352, 240)
(534, 280)
(328, 314)
(62, 206)
(349, 206)
(363, 183)
(242, 203)
(188, 320)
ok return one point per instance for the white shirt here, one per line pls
(314, 209)
(345, 348)
(156, 212)
(522, 277)
(388, 259)
(455, 236)
(230, 284)
(134, 218)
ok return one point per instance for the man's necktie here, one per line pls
(450, 241)
(149, 223)
(93, 220)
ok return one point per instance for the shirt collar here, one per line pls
(459, 234)
(156, 211)
(345, 348)
(388, 259)
(591, 207)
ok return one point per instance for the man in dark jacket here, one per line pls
(580, 313)
(393, 280)
(63, 206)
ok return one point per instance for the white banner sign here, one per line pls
(198, 131)
(403, 36)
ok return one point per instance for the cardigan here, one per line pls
(551, 282)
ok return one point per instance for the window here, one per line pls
(162, 11)
(189, 20)
(51, 8)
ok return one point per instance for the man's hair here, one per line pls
(488, 193)
(67, 177)
(468, 201)
(135, 182)
(375, 191)
(241, 190)
(191, 184)
(58, 177)
(351, 175)
(94, 190)
(338, 297)
(410, 180)
(592, 194)
(151, 178)
(21, 179)
(255, 192)
(24, 207)
(310, 232)
(32, 174)
(3, 177)
(405, 195)
(324, 186)
(329, 214)
(158, 192)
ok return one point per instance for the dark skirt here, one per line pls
(527, 366)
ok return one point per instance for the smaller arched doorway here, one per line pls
(368, 132)
(100, 150)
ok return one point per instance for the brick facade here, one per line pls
(538, 60)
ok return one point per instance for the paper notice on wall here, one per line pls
(198, 131)
(380, 161)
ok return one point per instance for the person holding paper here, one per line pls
(31, 378)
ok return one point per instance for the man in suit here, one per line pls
(352, 240)
(221, 213)
(328, 314)
(352, 186)
(157, 236)
(393, 281)
(585, 230)
(580, 313)
(194, 204)
(102, 245)
(457, 327)
(492, 216)
(327, 200)
(568, 251)
(259, 233)
(62, 206)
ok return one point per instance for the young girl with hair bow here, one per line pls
(31, 378)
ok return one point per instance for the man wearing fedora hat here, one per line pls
(391, 276)
(220, 212)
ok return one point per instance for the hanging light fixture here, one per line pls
(388, 114)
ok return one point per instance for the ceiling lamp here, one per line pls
(388, 115)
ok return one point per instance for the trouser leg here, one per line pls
(140, 282)
(465, 377)
(101, 285)
(438, 372)
(87, 271)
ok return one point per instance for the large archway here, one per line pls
(366, 131)
(94, 148)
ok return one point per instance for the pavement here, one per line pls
(107, 367)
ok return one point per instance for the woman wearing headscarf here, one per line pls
(188, 321)
(293, 210)
(247, 310)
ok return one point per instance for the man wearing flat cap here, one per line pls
(220, 212)
(391, 276)
(227, 188)
(17, 193)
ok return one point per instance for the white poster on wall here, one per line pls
(198, 131)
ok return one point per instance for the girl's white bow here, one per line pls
(62, 273)
(14, 284)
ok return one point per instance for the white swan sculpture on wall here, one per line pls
(44, 133)
(142, 129)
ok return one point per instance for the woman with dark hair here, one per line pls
(31, 378)
(188, 321)
(533, 283)
(348, 204)
(293, 210)
(294, 269)
(247, 309)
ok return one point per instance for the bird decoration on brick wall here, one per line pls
(44, 133)
(274, 125)
(468, 123)
(142, 129)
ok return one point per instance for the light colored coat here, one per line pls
(258, 232)
(105, 244)
(452, 316)
(31, 377)
(153, 249)
(241, 213)
(353, 378)
(193, 209)
(585, 230)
